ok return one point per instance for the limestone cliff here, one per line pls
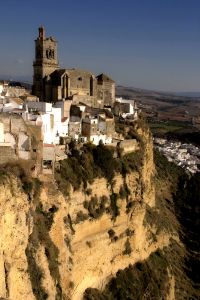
(55, 247)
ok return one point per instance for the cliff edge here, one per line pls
(61, 237)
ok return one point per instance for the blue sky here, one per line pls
(152, 44)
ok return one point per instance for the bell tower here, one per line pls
(45, 62)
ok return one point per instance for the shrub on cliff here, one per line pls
(103, 158)
(144, 280)
(82, 167)
(166, 169)
(131, 162)
(21, 169)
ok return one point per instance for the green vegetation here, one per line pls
(114, 209)
(187, 207)
(43, 221)
(22, 171)
(89, 244)
(91, 162)
(98, 206)
(113, 237)
(3, 175)
(145, 280)
(131, 162)
(128, 129)
(68, 243)
(153, 217)
(167, 177)
(129, 232)
(124, 191)
(184, 202)
(80, 217)
(36, 274)
(165, 127)
(68, 222)
(127, 248)
(165, 169)
(177, 130)
(111, 233)
(84, 166)
(179, 197)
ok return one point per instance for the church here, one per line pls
(52, 84)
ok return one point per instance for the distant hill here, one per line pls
(189, 94)
(163, 105)
(19, 83)
(161, 95)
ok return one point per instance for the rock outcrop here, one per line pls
(55, 247)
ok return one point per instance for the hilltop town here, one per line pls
(64, 105)
(67, 105)
(88, 209)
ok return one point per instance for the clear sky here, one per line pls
(152, 44)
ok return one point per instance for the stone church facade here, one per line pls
(51, 84)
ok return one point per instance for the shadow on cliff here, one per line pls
(144, 280)
(177, 212)
(187, 207)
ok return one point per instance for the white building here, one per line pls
(9, 104)
(1, 88)
(126, 108)
(50, 118)
(94, 129)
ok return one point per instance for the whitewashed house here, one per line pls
(50, 118)
(126, 108)
(94, 129)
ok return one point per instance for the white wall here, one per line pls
(47, 129)
(102, 126)
(50, 118)
(1, 88)
(9, 138)
(10, 106)
(95, 139)
(65, 128)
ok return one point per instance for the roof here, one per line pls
(57, 74)
(48, 145)
(75, 119)
(104, 77)
(16, 100)
(97, 111)
(64, 119)
(94, 110)
(18, 110)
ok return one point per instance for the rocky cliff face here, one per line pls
(55, 247)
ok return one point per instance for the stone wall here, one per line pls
(21, 141)
(128, 146)
(106, 92)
